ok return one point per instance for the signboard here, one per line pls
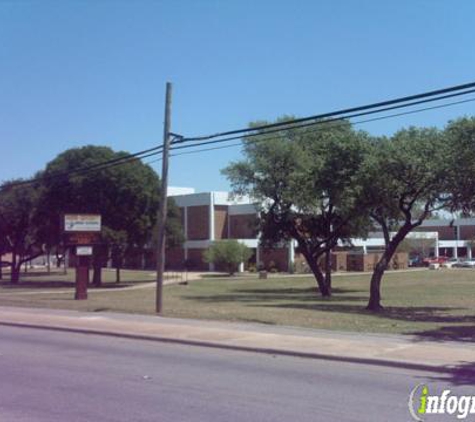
(87, 238)
(84, 251)
(82, 223)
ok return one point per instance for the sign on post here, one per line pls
(83, 250)
(82, 223)
(82, 231)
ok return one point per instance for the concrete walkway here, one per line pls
(388, 350)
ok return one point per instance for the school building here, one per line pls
(212, 216)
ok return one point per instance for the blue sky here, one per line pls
(93, 72)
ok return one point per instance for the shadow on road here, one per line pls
(463, 374)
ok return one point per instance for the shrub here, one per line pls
(227, 254)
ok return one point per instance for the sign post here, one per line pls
(82, 231)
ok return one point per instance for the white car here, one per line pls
(468, 263)
(452, 262)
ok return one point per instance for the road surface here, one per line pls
(66, 377)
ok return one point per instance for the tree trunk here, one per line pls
(117, 274)
(48, 261)
(317, 272)
(15, 276)
(15, 270)
(328, 269)
(97, 275)
(374, 303)
(66, 260)
(97, 260)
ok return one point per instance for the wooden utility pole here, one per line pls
(162, 213)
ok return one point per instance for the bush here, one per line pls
(227, 254)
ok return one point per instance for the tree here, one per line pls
(117, 242)
(18, 234)
(306, 181)
(227, 254)
(404, 179)
(126, 195)
(460, 139)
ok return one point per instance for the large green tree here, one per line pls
(18, 233)
(306, 181)
(460, 139)
(126, 195)
(404, 179)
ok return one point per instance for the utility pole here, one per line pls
(162, 213)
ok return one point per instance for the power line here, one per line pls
(291, 125)
(335, 123)
(277, 127)
(399, 100)
(322, 122)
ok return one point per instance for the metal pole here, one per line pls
(162, 214)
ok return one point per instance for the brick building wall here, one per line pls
(277, 258)
(243, 226)
(339, 262)
(175, 258)
(220, 222)
(195, 260)
(198, 222)
(467, 232)
(445, 232)
(361, 262)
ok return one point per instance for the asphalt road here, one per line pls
(53, 376)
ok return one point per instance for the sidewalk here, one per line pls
(387, 350)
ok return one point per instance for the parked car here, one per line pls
(452, 262)
(468, 263)
(415, 261)
(435, 260)
(459, 264)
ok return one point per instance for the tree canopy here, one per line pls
(460, 139)
(306, 180)
(18, 231)
(126, 195)
(404, 181)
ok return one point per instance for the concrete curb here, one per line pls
(217, 345)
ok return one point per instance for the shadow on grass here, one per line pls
(435, 314)
(464, 333)
(297, 291)
(344, 301)
(37, 284)
(52, 273)
(263, 299)
(223, 275)
(54, 284)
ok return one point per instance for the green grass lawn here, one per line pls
(36, 279)
(433, 304)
